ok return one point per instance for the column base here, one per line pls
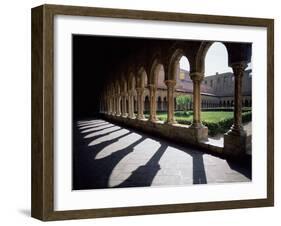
(236, 131)
(153, 119)
(200, 132)
(140, 117)
(131, 116)
(197, 125)
(235, 143)
(125, 115)
(171, 122)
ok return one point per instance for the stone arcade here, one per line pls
(123, 98)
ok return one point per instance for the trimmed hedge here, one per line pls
(183, 113)
(228, 109)
(225, 124)
(214, 128)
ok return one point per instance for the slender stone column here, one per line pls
(235, 140)
(118, 107)
(113, 106)
(170, 95)
(131, 104)
(197, 79)
(238, 72)
(109, 105)
(140, 103)
(124, 107)
(152, 93)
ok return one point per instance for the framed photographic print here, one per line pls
(141, 112)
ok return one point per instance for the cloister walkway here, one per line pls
(106, 155)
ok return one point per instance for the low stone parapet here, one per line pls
(184, 134)
(177, 132)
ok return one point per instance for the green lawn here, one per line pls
(216, 121)
(208, 116)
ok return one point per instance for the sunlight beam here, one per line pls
(141, 154)
(104, 131)
(97, 128)
(108, 137)
(119, 145)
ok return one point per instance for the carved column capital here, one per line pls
(131, 92)
(140, 90)
(239, 68)
(124, 94)
(152, 87)
(170, 83)
(197, 76)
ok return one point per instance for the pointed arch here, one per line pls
(131, 81)
(155, 67)
(141, 78)
(174, 63)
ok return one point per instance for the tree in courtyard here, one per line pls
(183, 101)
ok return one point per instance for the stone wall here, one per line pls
(216, 90)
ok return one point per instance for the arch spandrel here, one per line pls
(239, 52)
(142, 77)
(117, 87)
(197, 64)
(131, 81)
(124, 85)
(155, 68)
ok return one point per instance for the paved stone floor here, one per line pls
(107, 155)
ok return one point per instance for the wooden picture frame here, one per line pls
(43, 107)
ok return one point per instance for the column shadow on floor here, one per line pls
(92, 173)
(88, 172)
(144, 175)
(199, 174)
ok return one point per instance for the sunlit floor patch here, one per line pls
(97, 128)
(101, 132)
(122, 143)
(93, 125)
(109, 137)
(220, 171)
(90, 122)
(134, 161)
(175, 168)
